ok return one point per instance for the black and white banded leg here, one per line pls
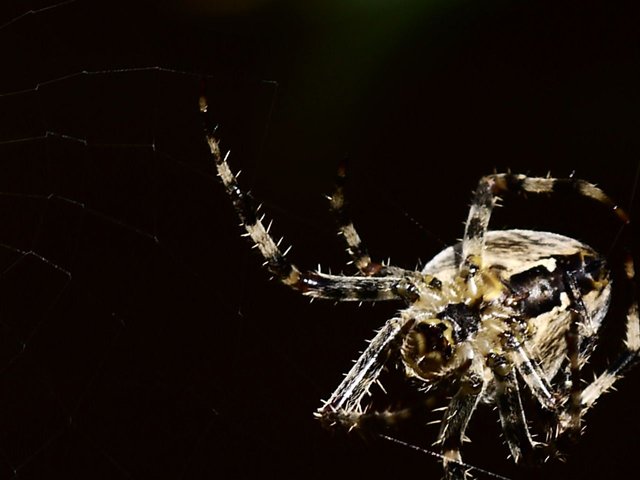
(314, 284)
(355, 248)
(491, 187)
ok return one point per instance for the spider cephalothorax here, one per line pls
(498, 313)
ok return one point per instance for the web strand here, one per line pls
(441, 457)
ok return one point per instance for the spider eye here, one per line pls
(428, 347)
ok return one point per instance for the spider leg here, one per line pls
(491, 187)
(455, 421)
(574, 409)
(580, 339)
(512, 419)
(310, 283)
(344, 405)
(534, 376)
(585, 398)
(626, 359)
(340, 288)
(581, 399)
(355, 248)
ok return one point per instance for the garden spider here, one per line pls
(498, 311)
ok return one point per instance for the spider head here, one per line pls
(428, 347)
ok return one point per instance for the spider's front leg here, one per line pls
(398, 286)
(345, 404)
(355, 248)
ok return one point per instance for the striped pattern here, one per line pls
(341, 288)
(245, 206)
(488, 193)
(338, 288)
(355, 248)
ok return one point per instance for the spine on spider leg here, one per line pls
(313, 284)
(632, 341)
(518, 183)
(339, 208)
(487, 194)
(344, 407)
(246, 209)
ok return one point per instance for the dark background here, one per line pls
(138, 336)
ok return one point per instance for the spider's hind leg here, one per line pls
(345, 404)
(626, 359)
(491, 187)
(580, 344)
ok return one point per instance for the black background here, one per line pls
(142, 340)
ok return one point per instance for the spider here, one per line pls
(497, 313)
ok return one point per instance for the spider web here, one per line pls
(138, 336)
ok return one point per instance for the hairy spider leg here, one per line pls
(573, 340)
(355, 248)
(625, 360)
(338, 288)
(533, 375)
(344, 405)
(512, 418)
(491, 187)
(580, 340)
(456, 418)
